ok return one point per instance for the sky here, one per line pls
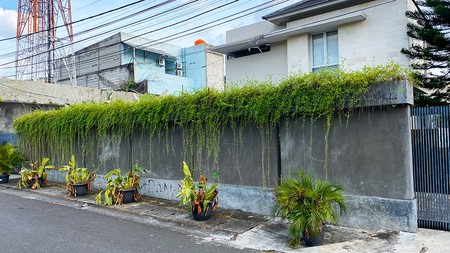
(161, 20)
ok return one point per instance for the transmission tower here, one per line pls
(44, 40)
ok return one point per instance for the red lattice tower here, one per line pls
(44, 40)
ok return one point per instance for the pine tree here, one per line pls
(431, 25)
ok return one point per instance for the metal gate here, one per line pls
(431, 165)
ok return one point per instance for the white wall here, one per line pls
(260, 67)
(215, 70)
(377, 39)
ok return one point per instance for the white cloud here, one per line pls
(8, 20)
(7, 47)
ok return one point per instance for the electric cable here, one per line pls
(180, 34)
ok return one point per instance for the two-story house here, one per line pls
(313, 34)
(162, 67)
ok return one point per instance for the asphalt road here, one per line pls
(30, 225)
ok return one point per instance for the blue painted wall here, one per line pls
(163, 79)
(7, 137)
(195, 65)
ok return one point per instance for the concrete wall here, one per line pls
(9, 112)
(215, 70)
(369, 154)
(106, 79)
(21, 97)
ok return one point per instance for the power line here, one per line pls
(158, 42)
(109, 31)
(190, 31)
(76, 42)
(77, 21)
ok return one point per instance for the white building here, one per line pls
(313, 34)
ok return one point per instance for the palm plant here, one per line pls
(10, 158)
(307, 204)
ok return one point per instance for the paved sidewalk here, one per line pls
(243, 230)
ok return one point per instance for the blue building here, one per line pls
(161, 68)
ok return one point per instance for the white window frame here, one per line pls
(325, 51)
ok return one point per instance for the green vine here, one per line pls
(204, 114)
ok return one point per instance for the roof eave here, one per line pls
(282, 35)
(311, 11)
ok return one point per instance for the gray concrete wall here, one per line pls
(369, 154)
(9, 111)
(20, 97)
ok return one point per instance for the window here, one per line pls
(325, 49)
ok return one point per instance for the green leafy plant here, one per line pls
(307, 204)
(35, 174)
(10, 158)
(116, 182)
(76, 175)
(197, 195)
(203, 115)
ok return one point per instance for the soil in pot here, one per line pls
(32, 181)
(128, 195)
(79, 189)
(4, 179)
(204, 214)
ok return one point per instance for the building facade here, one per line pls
(163, 68)
(314, 34)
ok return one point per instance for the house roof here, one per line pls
(308, 8)
(144, 44)
(131, 40)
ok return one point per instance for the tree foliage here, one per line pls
(430, 26)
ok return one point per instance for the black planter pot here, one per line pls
(128, 195)
(4, 179)
(32, 181)
(314, 241)
(205, 214)
(79, 189)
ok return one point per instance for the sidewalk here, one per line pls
(240, 229)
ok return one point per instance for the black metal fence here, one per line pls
(431, 163)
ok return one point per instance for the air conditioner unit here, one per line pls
(179, 65)
(179, 72)
(161, 61)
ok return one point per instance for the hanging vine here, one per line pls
(206, 113)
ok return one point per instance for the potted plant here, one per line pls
(35, 177)
(201, 199)
(120, 189)
(307, 204)
(9, 159)
(78, 180)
